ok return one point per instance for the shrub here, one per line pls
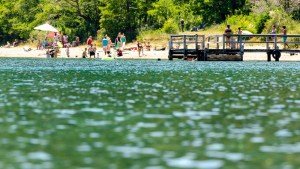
(170, 27)
(280, 18)
(246, 22)
(260, 22)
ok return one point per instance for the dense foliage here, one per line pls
(89, 17)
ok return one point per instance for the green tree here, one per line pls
(162, 11)
(120, 16)
(74, 17)
(216, 11)
(17, 18)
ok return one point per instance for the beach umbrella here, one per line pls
(46, 27)
(51, 34)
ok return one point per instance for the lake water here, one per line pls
(92, 114)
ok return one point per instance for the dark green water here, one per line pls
(90, 114)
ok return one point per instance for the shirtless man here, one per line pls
(92, 50)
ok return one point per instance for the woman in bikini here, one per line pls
(228, 32)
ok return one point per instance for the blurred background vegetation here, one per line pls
(143, 19)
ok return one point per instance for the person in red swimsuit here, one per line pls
(89, 40)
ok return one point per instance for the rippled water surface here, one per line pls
(90, 114)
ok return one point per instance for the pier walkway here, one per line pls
(199, 47)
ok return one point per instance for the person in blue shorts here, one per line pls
(284, 32)
(105, 44)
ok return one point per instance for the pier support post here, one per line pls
(205, 54)
(269, 56)
(242, 56)
(170, 56)
(185, 47)
(276, 55)
(200, 56)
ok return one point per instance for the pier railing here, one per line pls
(273, 44)
(270, 41)
(187, 42)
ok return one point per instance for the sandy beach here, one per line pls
(76, 52)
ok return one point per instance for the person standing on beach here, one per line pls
(123, 40)
(89, 41)
(55, 39)
(56, 51)
(84, 53)
(39, 45)
(65, 40)
(68, 51)
(182, 25)
(91, 51)
(284, 32)
(77, 41)
(118, 41)
(109, 43)
(139, 47)
(104, 44)
(228, 32)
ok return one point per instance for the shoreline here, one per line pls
(19, 52)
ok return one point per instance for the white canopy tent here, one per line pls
(46, 27)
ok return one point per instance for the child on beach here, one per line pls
(84, 53)
(56, 51)
(48, 54)
(68, 51)
(39, 45)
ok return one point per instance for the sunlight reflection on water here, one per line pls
(148, 114)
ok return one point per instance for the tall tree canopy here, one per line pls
(87, 17)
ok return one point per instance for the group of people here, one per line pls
(58, 41)
(120, 43)
(284, 32)
(228, 31)
(107, 45)
(14, 44)
(141, 47)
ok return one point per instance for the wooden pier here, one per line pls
(200, 47)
